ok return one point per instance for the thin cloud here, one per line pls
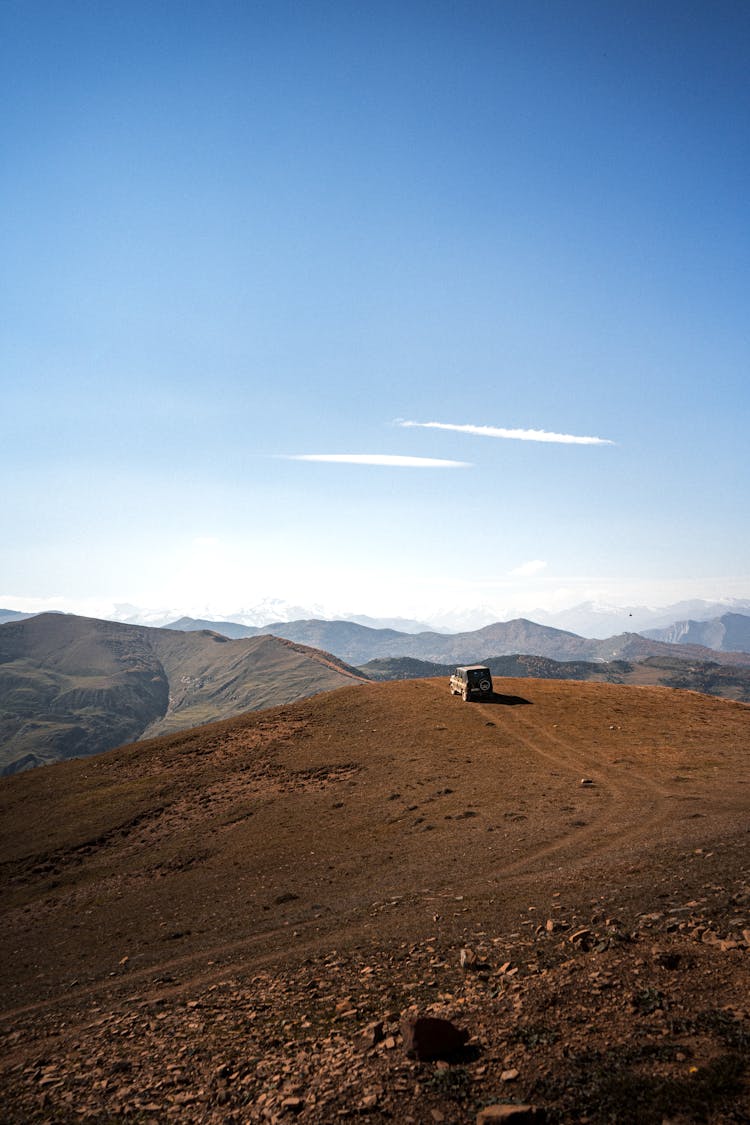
(527, 569)
(514, 435)
(388, 460)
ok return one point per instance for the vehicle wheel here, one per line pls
(485, 686)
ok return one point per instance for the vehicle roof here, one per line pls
(472, 668)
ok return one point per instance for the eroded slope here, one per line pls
(74, 686)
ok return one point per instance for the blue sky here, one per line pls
(239, 235)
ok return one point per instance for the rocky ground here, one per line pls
(588, 973)
(595, 1018)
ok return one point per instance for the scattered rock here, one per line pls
(429, 1037)
(373, 1034)
(582, 937)
(121, 1066)
(471, 960)
(512, 1114)
(293, 1105)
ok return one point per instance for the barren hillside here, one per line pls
(75, 686)
(209, 926)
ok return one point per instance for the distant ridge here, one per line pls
(231, 629)
(13, 615)
(728, 633)
(75, 686)
(358, 644)
(591, 619)
(587, 619)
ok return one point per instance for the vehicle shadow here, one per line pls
(507, 700)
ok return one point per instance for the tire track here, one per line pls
(595, 839)
(147, 977)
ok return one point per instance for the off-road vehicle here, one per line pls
(472, 681)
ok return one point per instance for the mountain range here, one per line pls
(587, 619)
(593, 619)
(74, 686)
(358, 644)
(728, 633)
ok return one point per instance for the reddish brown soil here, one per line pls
(201, 928)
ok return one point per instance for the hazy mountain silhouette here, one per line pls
(13, 615)
(728, 633)
(358, 644)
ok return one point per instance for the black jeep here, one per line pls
(472, 681)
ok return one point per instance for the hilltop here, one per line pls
(75, 686)
(228, 923)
